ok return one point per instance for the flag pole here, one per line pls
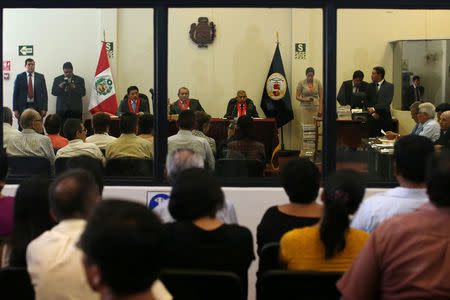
(281, 128)
(104, 35)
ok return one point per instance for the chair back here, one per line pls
(29, 165)
(226, 167)
(129, 166)
(299, 285)
(15, 283)
(202, 285)
(269, 258)
(61, 164)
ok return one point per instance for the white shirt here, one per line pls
(54, 263)
(184, 139)
(431, 130)
(77, 147)
(382, 206)
(8, 130)
(30, 143)
(100, 139)
(227, 214)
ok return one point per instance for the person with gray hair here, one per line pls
(414, 109)
(31, 142)
(8, 130)
(431, 128)
(178, 161)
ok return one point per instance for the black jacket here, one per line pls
(143, 105)
(232, 110)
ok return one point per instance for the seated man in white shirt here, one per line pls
(101, 137)
(431, 128)
(76, 134)
(410, 155)
(8, 130)
(122, 250)
(31, 142)
(176, 162)
(184, 139)
(53, 259)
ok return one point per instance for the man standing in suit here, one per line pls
(133, 102)
(354, 92)
(240, 106)
(184, 103)
(381, 93)
(69, 90)
(413, 93)
(30, 91)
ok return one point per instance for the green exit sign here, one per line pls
(25, 50)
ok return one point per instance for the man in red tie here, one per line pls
(30, 91)
(184, 103)
(133, 102)
(241, 105)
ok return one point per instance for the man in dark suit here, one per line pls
(69, 90)
(134, 102)
(413, 93)
(240, 106)
(30, 91)
(381, 93)
(184, 103)
(354, 92)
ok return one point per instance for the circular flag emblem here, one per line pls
(157, 199)
(103, 85)
(276, 86)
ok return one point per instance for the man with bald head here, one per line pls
(53, 259)
(31, 142)
(444, 122)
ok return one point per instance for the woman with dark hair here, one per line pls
(202, 122)
(145, 124)
(332, 245)
(31, 218)
(198, 240)
(244, 145)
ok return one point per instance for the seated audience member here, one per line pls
(178, 161)
(184, 103)
(431, 128)
(410, 156)
(231, 135)
(31, 142)
(133, 102)
(8, 130)
(444, 122)
(76, 133)
(31, 219)
(301, 181)
(145, 123)
(90, 165)
(414, 109)
(184, 139)
(53, 259)
(52, 126)
(440, 109)
(244, 145)
(129, 144)
(101, 137)
(198, 240)
(407, 256)
(202, 122)
(122, 250)
(6, 202)
(331, 245)
(240, 106)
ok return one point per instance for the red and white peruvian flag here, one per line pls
(103, 95)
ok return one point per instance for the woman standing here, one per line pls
(310, 95)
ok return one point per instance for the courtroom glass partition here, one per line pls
(225, 62)
(110, 54)
(408, 46)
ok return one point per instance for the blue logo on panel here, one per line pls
(158, 198)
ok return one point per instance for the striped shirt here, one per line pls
(77, 147)
(31, 143)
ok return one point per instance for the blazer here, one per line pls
(382, 99)
(21, 91)
(410, 96)
(143, 105)
(69, 99)
(232, 110)
(345, 94)
(194, 105)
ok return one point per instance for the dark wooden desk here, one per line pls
(350, 132)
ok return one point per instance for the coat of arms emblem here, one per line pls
(202, 33)
(103, 85)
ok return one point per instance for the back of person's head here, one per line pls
(186, 119)
(52, 124)
(122, 243)
(358, 74)
(440, 108)
(244, 127)
(342, 194)
(7, 115)
(180, 160)
(438, 179)
(128, 123)
(415, 106)
(201, 119)
(100, 122)
(195, 194)
(90, 164)
(71, 128)
(3, 166)
(27, 117)
(146, 123)
(73, 194)
(427, 108)
(31, 217)
(410, 155)
(301, 180)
